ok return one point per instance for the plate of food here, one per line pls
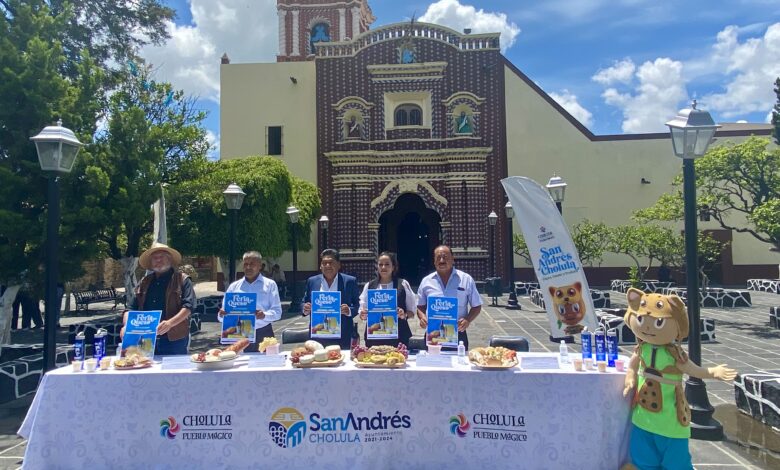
(380, 357)
(313, 354)
(133, 360)
(219, 359)
(493, 358)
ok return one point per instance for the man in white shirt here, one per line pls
(447, 281)
(269, 307)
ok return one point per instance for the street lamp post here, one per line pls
(57, 148)
(294, 213)
(692, 131)
(234, 197)
(557, 188)
(510, 213)
(492, 219)
(324, 224)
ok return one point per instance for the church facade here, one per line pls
(407, 129)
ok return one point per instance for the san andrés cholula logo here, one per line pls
(555, 260)
(288, 427)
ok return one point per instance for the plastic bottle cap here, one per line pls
(460, 343)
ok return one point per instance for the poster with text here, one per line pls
(141, 331)
(556, 261)
(442, 321)
(325, 314)
(382, 314)
(240, 302)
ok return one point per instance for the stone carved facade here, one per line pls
(454, 174)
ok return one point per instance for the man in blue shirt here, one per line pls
(269, 307)
(447, 281)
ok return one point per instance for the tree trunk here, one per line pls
(129, 265)
(6, 312)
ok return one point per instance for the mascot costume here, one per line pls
(661, 416)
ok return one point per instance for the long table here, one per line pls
(418, 417)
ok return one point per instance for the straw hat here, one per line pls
(146, 256)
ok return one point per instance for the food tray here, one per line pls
(501, 367)
(368, 365)
(330, 363)
(143, 365)
(222, 364)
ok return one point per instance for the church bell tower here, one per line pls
(303, 23)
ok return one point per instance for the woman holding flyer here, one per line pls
(384, 328)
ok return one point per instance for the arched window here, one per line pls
(320, 32)
(408, 115)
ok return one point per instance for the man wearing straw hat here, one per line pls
(170, 291)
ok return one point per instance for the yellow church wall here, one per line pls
(604, 176)
(255, 96)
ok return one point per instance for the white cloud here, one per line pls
(659, 88)
(214, 143)
(244, 29)
(453, 14)
(753, 66)
(570, 104)
(620, 72)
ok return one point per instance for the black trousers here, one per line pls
(462, 336)
(31, 312)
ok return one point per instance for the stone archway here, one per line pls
(412, 230)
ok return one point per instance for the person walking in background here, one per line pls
(387, 278)
(277, 275)
(332, 280)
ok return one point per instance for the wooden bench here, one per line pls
(86, 297)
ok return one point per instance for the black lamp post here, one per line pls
(324, 224)
(294, 213)
(492, 219)
(510, 213)
(692, 131)
(57, 148)
(234, 197)
(557, 188)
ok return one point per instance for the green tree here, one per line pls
(33, 94)
(54, 61)
(199, 224)
(734, 182)
(153, 136)
(591, 240)
(776, 113)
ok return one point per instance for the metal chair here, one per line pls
(515, 343)
(290, 336)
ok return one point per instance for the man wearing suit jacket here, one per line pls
(332, 280)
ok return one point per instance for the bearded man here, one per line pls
(166, 289)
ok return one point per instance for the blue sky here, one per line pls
(617, 65)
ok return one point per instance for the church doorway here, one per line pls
(412, 231)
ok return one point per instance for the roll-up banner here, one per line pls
(556, 262)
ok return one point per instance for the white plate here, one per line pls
(216, 365)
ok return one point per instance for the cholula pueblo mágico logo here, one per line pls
(554, 260)
(289, 428)
(490, 426)
(169, 427)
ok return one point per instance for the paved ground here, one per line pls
(743, 340)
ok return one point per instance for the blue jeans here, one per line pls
(166, 347)
(653, 451)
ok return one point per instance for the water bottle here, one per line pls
(612, 347)
(601, 346)
(79, 348)
(564, 353)
(587, 345)
(118, 349)
(461, 353)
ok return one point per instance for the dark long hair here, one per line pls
(393, 260)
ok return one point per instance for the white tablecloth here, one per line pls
(343, 417)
